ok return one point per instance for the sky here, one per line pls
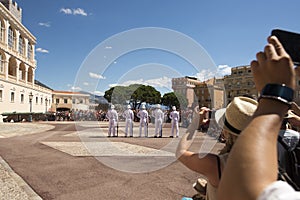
(92, 45)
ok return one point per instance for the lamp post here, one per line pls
(30, 102)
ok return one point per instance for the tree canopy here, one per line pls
(174, 99)
(135, 93)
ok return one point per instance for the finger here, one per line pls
(254, 64)
(277, 45)
(270, 52)
(260, 56)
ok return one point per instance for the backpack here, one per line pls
(289, 162)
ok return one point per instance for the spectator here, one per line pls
(234, 118)
(251, 170)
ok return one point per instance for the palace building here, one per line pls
(19, 91)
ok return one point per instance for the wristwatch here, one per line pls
(279, 92)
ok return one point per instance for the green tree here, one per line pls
(174, 99)
(135, 93)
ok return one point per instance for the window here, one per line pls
(2, 31)
(36, 100)
(41, 100)
(29, 51)
(22, 98)
(73, 101)
(81, 101)
(57, 101)
(12, 97)
(21, 45)
(1, 93)
(65, 101)
(1, 64)
(10, 38)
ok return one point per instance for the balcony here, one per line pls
(16, 54)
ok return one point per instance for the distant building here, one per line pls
(70, 101)
(210, 93)
(239, 82)
(18, 65)
(207, 93)
(185, 86)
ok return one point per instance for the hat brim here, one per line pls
(220, 117)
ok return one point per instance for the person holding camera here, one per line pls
(252, 166)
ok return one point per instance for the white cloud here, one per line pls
(77, 11)
(46, 24)
(162, 82)
(99, 93)
(221, 71)
(86, 83)
(41, 50)
(66, 11)
(76, 88)
(224, 70)
(108, 47)
(97, 76)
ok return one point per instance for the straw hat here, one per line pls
(236, 116)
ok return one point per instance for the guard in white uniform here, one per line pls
(174, 116)
(128, 115)
(159, 116)
(144, 120)
(112, 116)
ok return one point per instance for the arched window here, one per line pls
(1, 64)
(2, 31)
(29, 51)
(21, 45)
(11, 38)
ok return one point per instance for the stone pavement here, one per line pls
(13, 186)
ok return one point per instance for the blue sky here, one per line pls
(71, 33)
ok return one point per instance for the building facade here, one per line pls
(239, 82)
(70, 101)
(185, 86)
(18, 89)
(210, 93)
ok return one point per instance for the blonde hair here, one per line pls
(229, 142)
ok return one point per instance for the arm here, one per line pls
(205, 164)
(252, 163)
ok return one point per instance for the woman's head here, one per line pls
(235, 117)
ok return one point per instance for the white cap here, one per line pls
(128, 106)
(174, 107)
(112, 106)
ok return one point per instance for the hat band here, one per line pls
(231, 128)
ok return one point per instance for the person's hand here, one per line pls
(273, 65)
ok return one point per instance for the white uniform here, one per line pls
(112, 116)
(129, 116)
(159, 116)
(143, 115)
(174, 116)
